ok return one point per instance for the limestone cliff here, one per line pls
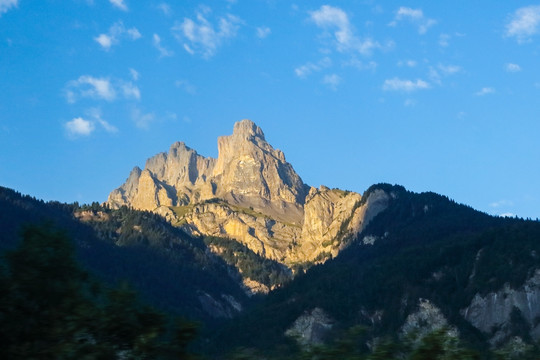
(492, 312)
(250, 193)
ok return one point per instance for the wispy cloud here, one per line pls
(90, 87)
(444, 40)
(165, 8)
(96, 115)
(186, 86)
(415, 16)
(79, 127)
(142, 120)
(6, 5)
(437, 73)
(449, 69)
(305, 70)
(100, 88)
(512, 67)
(263, 32)
(120, 4)
(409, 103)
(130, 91)
(116, 32)
(336, 22)
(397, 84)
(524, 23)
(507, 214)
(200, 36)
(485, 91)
(408, 63)
(163, 52)
(361, 65)
(332, 80)
(501, 203)
(134, 74)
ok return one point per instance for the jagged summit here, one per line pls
(250, 193)
(247, 129)
(247, 172)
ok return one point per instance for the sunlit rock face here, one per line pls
(250, 193)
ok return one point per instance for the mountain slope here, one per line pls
(170, 269)
(424, 260)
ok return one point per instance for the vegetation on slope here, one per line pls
(426, 247)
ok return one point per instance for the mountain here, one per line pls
(169, 268)
(423, 264)
(199, 237)
(251, 194)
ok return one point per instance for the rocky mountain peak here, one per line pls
(247, 129)
(249, 193)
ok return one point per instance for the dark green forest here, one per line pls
(91, 282)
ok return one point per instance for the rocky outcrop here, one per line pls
(311, 328)
(250, 193)
(491, 313)
(426, 319)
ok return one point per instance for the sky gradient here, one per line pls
(435, 96)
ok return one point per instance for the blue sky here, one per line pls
(436, 96)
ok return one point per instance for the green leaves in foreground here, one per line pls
(51, 309)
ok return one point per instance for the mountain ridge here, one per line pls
(249, 193)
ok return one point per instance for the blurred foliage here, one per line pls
(52, 309)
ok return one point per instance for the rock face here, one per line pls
(250, 193)
(311, 328)
(426, 319)
(493, 311)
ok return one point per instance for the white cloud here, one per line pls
(263, 32)
(142, 120)
(485, 91)
(409, 102)
(305, 70)
(329, 17)
(163, 52)
(101, 88)
(105, 41)
(119, 4)
(435, 74)
(415, 16)
(79, 127)
(444, 40)
(524, 23)
(360, 65)
(201, 36)
(449, 69)
(133, 33)
(165, 8)
(5, 5)
(512, 67)
(332, 81)
(130, 91)
(95, 113)
(92, 87)
(408, 63)
(134, 74)
(186, 86)
(84, 127)
(116, 32)
(397, 84)
(501, 203)
(507, 214)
